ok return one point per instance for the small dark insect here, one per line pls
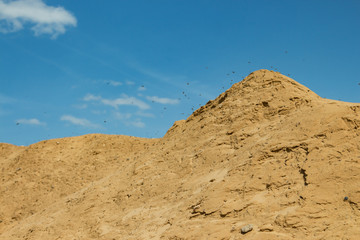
(233, 72)
(17, 123)
(346, 198)
(104, 121)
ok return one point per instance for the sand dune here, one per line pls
(267, 152)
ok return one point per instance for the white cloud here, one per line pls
(32, 121)
(162, 100)
(124, 100)
(78, 121)
(14, 14)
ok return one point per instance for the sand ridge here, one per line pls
(267, 152)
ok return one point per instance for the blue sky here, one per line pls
(69, 68)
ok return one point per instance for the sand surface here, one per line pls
(267, 152)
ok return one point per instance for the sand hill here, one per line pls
(267, 152)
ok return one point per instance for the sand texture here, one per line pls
(267, 159)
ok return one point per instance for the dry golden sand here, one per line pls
(267, 152)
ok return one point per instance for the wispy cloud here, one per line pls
(144, 114)
(174, 80)
(122, 116)
(126, 118)
(136, 123)
(78, 121)
(155, 75)
(32, 121)
(162, 100)
(124, 100)
(129, 82)
(113, 83)
(5, 99)
(80, 106)
(90, 97)
(99, 112)
(142, 88)
(45, 19)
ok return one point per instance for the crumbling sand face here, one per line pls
(267, 153)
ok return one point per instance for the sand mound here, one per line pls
(267, 152)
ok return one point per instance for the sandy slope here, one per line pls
(267, 152)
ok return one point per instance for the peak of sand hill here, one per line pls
(267, 152)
